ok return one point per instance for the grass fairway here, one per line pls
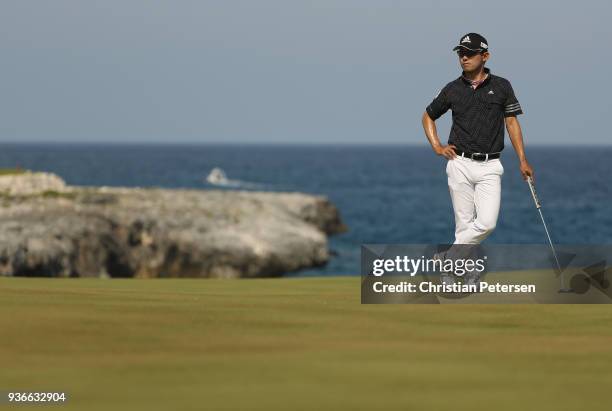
(294, 344)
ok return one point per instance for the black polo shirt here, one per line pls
(478, 114)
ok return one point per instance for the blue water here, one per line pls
(386, 194)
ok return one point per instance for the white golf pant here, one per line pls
(475, 190)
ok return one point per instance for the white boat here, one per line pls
(217, 176)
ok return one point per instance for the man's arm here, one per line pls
(516, 137)
(431, 132)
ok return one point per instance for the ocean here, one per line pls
(385, 193)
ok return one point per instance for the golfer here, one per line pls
(481, 103)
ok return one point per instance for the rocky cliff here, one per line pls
(50, 229)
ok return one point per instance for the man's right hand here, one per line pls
(447, 152)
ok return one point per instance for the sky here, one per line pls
(285, 71)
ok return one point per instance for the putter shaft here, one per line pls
(552, 247)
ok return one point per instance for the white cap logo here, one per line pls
(483, 45)
(466, 39)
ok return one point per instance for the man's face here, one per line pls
(471, 60)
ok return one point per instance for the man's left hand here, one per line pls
(526, 170)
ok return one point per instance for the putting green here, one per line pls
(293, 344)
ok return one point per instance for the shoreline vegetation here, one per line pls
(12, 171)
(55, 230)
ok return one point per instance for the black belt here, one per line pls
(477, 156)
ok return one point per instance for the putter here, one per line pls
(538, 205)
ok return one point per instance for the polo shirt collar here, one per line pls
(486, 80)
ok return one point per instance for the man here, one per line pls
(481, 103)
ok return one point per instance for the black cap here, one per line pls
(474, 42)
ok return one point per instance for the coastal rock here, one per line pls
(74, 231)
(21, 183)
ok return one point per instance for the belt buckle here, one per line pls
(486, 155)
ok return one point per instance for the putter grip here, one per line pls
(533, 192)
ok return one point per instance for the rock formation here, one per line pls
(54, 230)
